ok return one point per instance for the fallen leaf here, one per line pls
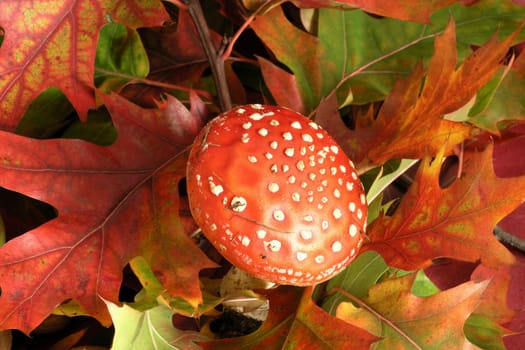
(151, 329)
(49, 43)
(455, 222)
(113, 203)
(313, 328)
(298, 50)
(411, 10)
(408, 321)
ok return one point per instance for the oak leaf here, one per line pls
(53, 43)
(408, 321)
(298, 50)
(409, 123)
(314, 328)
(113, 203)
(454, 222)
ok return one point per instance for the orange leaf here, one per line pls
(299, 51)
(408, 10)
(409, 123)
(316, 329)
(53, 43)
(112, 203)
(434, 322)
(455, 222)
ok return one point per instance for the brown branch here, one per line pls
(228, 50)
(214, 58)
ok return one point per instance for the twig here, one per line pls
(228, 50)
(378, 315)
(509, 238)
(145, 81)
(214, 58)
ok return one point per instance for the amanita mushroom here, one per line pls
(276, 195)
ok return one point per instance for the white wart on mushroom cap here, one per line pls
(276, 195)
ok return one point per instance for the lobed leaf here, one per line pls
(408, 321)
(113, 203)
(315, 329)
(409, 123)
(412, 10)
(50, 43)
(455, 222)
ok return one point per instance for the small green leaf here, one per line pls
(356, 279)
(120, 57)
(47, 115)
(423, 286)
(484, 332)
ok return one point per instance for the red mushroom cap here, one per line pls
(276, 195)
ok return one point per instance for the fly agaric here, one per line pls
(276, 195)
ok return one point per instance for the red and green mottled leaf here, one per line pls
(113, 203)
(53, 43)
(344, 47)
(500, 100)
(412, 10)
(433, 322)
(455, 222)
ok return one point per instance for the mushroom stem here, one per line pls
(214, 58)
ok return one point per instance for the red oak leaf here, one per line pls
(455, 222)
(409, 123)
(53, 43)
(410, 322)
(113, 203)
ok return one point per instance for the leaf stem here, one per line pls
(215, 60)
(228, 50)
(371, 63)
(378, 315)
(137, 80)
